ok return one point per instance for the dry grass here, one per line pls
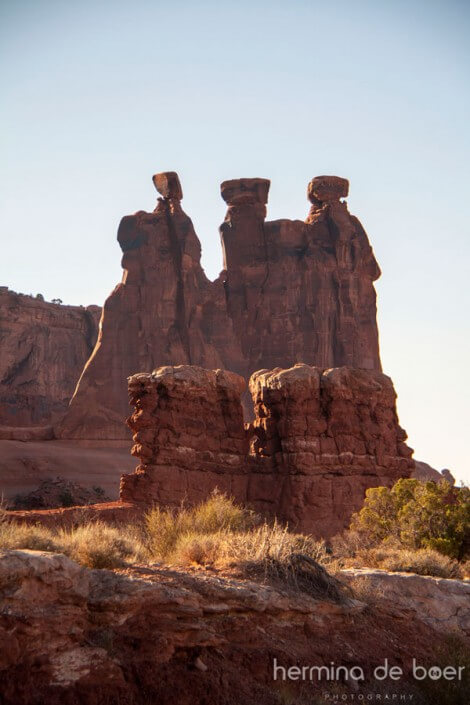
(424, 561)
(220, 534)
(34, 538)
(99, 545)
(269, 553)
(95, 545)
(217, 532)
(167, 530)
(349, 551)
(227, 537)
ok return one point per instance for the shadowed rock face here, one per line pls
(300, 291)
(44, 347)
(320, 438)
(290, 291)
(152, 634)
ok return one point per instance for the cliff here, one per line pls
(44, 347)
(290, 291)
(319, 439)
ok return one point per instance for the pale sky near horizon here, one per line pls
(99, 95)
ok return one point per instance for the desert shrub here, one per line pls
(423, 561)
(349, 544)
(251, 545)
(224, 535)
(417, 515)
(166, 528)
(25, 536)
(99, 545)
(198, 548)
(219, 513)
(93, 544)
(268, 552)
(66, 499)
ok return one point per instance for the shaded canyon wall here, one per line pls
(44, 347)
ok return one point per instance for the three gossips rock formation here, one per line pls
(290, 291)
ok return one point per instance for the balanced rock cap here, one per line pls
(238, 191)
(168, 185)
(327, 188)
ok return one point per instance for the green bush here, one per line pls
(417, 515)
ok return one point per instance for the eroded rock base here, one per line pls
(320, 438)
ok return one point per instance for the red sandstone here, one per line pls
(320, 438)
(44, 347)
(290, 291)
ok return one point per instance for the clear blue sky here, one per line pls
(97, 96)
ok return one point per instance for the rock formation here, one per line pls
(441, 603)
(320, 438)
(291, 291)
(299, 291)
(152, 634)
(165, 310)
(426, 473)
(44, 347)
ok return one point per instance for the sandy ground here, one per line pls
(24, 465)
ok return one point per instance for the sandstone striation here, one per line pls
(290, 291)
(44, 347)
(189, 435)
(330, 435)
(319, 439)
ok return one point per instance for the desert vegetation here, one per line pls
(418, 527)
(414, 527)
(216, 534)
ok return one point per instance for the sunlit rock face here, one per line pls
(319, 439)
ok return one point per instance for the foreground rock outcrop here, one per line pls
(320, 438)
(153, 634)
(290, 291)
(442, 603)
(44, 347)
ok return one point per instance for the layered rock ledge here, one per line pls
(155, 634)
(320, 438)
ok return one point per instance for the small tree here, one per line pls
(417, 515)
